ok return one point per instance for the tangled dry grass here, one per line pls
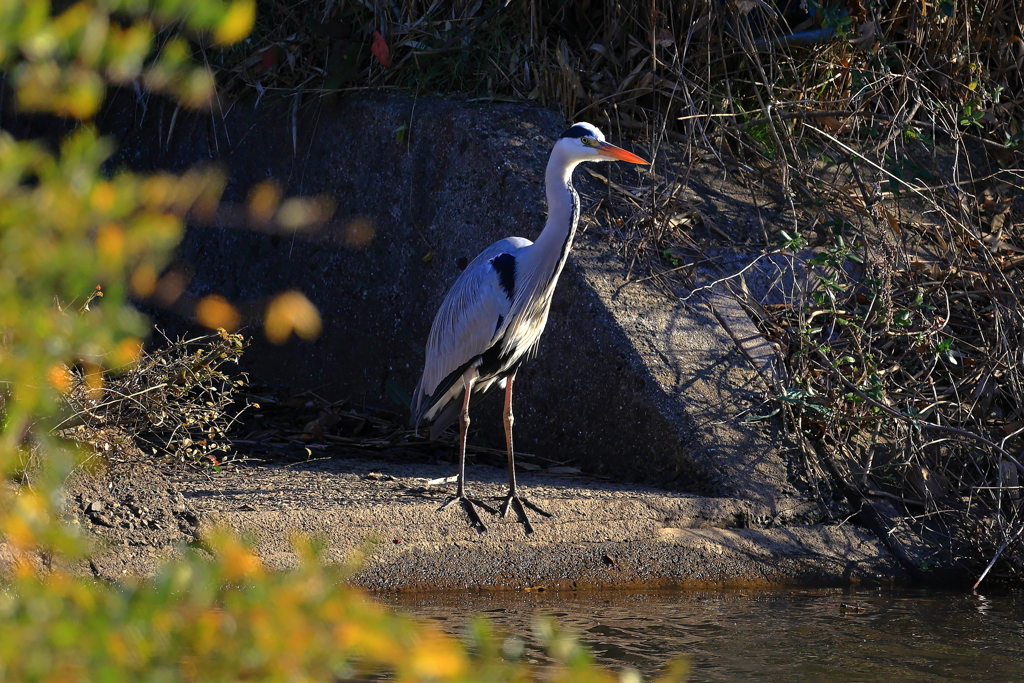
(737, 76)
(906, 374)
(173, 407)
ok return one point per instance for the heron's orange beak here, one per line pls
(607, 149)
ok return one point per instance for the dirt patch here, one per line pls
(135, 515)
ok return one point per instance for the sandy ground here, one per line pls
(601, 534)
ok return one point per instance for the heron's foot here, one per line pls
(470, 505)
(517, 502)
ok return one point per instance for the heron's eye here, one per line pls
(587, 142)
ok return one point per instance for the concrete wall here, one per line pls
(628, 382)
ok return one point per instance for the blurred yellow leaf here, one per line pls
(85, 94)
(211, 187)
(360, 232)
(237, 22)
(126, 352)
(291, 312)
(42, 43)
(215, 312)
(158, 227)
(263, 200)
(143, 281)
(170, 65)
(103, 196)
(196, 89)
(170, 288)
(110, 243)
(94, 37)
(17, 530)
(155, 191)
(297, 213)
(94, 380)
(240, 562)
(59, 377)
(127, 49)
(437, 657)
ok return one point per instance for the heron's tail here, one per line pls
(444, 419)
(449, 413)
(416, 408)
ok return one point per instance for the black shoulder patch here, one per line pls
(505, 266)
(577, 131)
(501, 321)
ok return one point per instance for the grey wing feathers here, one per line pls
(465, 326)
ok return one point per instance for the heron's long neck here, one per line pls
(552, 246)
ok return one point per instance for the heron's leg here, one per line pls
(509, 420)
(513, 497)
(468, 504)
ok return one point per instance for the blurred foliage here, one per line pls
(62, 61)
(66, 232)
(228, 620)
(71, 233)
(75, 242)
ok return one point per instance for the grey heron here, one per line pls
(494, 314)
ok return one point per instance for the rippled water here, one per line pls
(779, 635)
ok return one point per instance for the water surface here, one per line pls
(778, 635)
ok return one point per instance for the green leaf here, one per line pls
(759, 418)
(397, 394)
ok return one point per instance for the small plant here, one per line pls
(834, 15)
(972, 114)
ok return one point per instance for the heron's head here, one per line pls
(584, 142)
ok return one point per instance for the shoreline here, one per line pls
(603, 535)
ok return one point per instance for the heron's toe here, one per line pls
(520, 504)
(470, 505)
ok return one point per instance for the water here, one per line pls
(778, 635)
